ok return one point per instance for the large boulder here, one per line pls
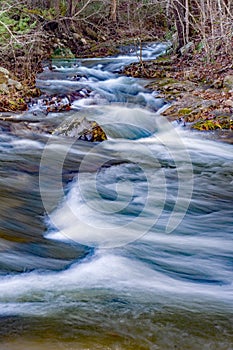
(81, 129)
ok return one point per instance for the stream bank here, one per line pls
(200, 96)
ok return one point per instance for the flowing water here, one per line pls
(124, 244)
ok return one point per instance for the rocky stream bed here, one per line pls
(200, 98)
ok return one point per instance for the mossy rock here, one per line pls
(164, 60)
(18, 104)
(177, 86)
(167, 81)
(222, 123)
(93, 134)
(12, 105)
(184, 111)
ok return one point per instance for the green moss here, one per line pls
(167, 81)
(62, 52)
(223, 122)
(165, 59)
(184, 111)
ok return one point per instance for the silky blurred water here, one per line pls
(125, 244)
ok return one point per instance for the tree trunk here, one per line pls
(70, 8)
(113, 13)
(180, 12)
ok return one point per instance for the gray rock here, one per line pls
(4, 88)
(228, 103)
(83, 41)
(4, 71)
(189, 47)
(6, 83)
(15, 83)
(76, 36)
(228, 82)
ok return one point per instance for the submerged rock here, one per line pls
(59, 103)
(81, 129)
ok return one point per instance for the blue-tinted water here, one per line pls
(125, 244)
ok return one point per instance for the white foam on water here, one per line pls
(106, 271)
(25, 144)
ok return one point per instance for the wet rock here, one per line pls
(51, 104)
(81, 129)
(58, 103)
(78, 77)
(79, 94)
